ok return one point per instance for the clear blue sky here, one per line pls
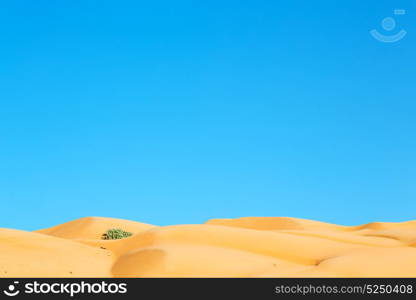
(177, 112)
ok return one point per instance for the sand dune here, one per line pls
(93, 228)
(26, 254)
(245, 247)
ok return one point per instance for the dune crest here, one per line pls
(93, 227)
(244, 247)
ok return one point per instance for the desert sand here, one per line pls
(245, 247)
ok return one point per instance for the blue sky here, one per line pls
(178, 112)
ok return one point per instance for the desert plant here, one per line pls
(115, 234)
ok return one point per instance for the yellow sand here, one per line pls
(245, 247)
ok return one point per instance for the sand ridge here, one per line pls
(244, 247)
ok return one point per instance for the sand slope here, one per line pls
(26, 254)
(245, 247)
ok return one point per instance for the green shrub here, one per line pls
(115, 234)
